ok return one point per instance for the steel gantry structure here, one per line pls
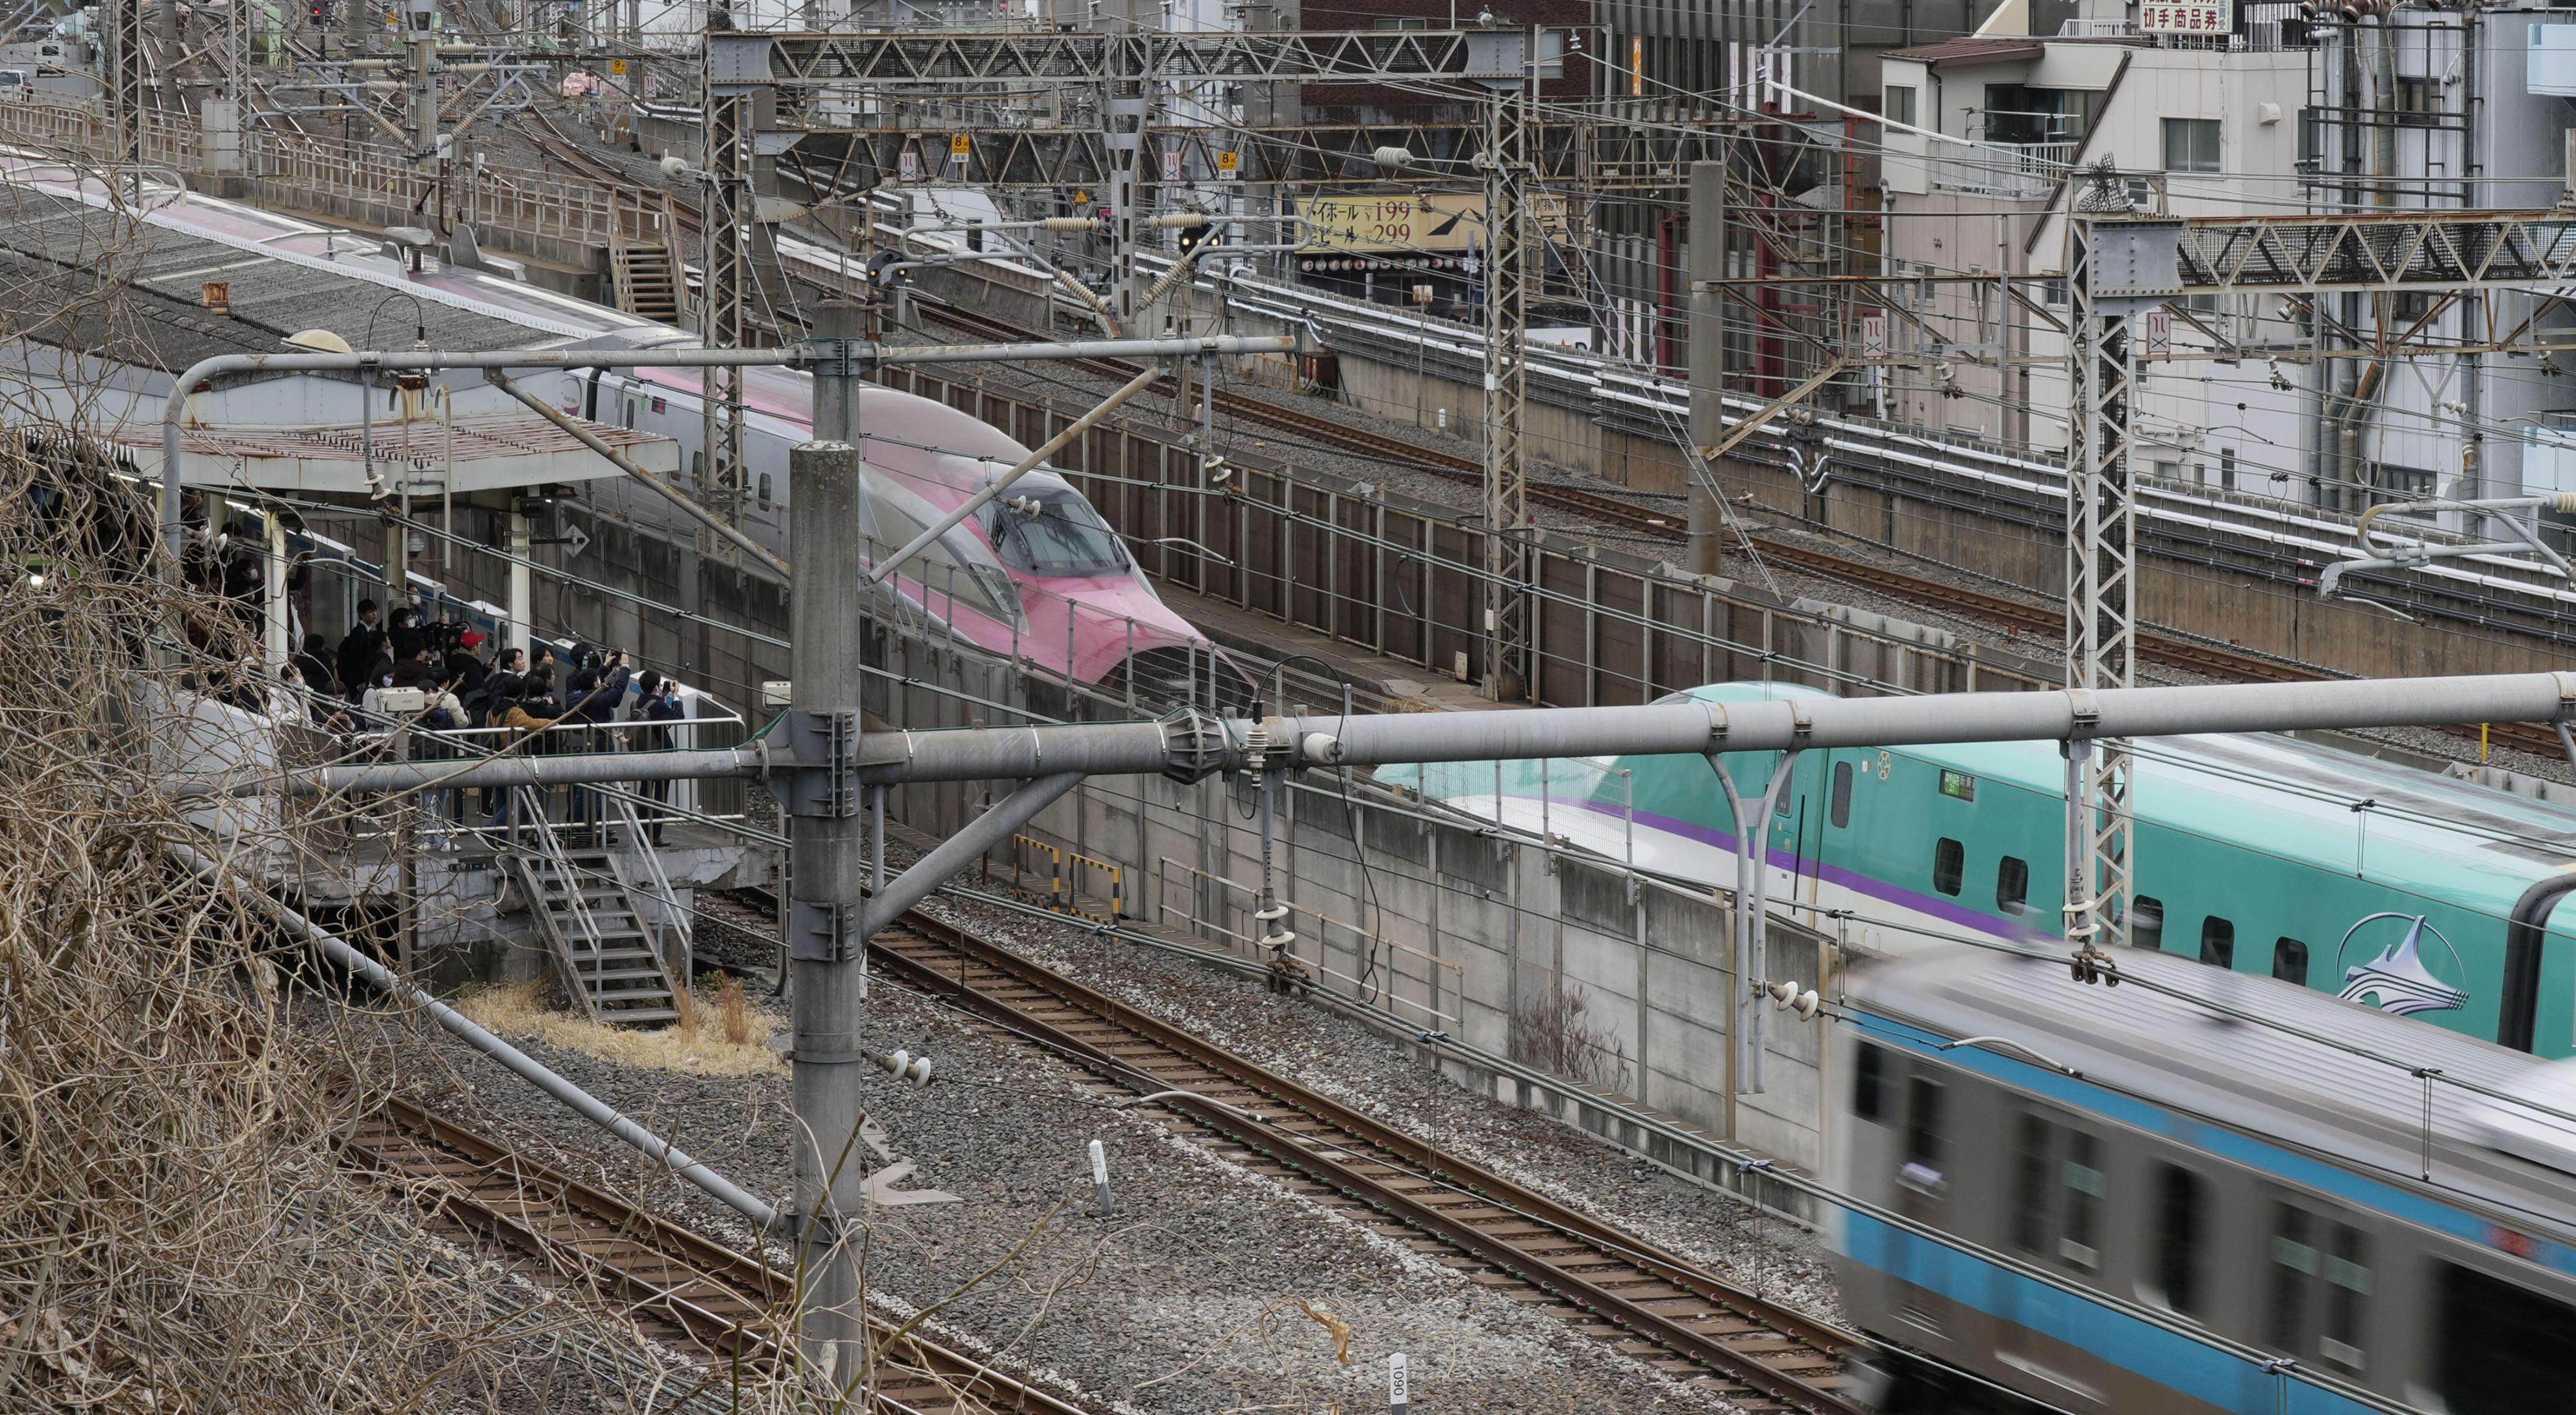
(766, 92)
(2507, 272)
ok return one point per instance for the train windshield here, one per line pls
(1052, 531)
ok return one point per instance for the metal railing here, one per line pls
(2024, 171)
(565, 209)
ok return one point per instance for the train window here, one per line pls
(765, 485)
(2082, 1243)
(1949, 865)
(2218, 942)
(1923, 1122)
(2179, 1197)
(1842, 795)
(2502, 1350)
(2012, 884)
(2147, 923)
(2290, 960)
(2294, 1264)
(1052, 531)
(2347, 1284)
(1869, 1082)
(2030, 1185)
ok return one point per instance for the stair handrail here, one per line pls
(551, 851)
(657, 884)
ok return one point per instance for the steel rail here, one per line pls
(718, 1298)
(1337, 1146)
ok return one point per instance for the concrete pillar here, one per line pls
(827, 837)
(1707, 261)
(522, 602)
(274, 647)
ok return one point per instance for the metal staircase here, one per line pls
(646, 280)
(605, 944)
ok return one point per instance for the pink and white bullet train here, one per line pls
(1039, 574)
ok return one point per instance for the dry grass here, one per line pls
(738, 1047)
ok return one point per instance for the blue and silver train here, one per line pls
(2092, 1198)
(2416, 893)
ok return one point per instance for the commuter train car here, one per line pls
(1040, 574)
(2128, 1199)
(2427, 896)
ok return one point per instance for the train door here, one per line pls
(2536, 1009)
(1924, 1158)
(1796, 826)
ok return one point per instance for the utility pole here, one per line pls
(827, 863)
(420, 38)
(2118, 266)
(1707, 351)
(1508, 248)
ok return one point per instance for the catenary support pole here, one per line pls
(1395, 739)
(828, 867)
(1707, 351)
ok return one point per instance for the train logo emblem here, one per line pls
(2397, 981)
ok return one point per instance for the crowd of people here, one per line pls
(569, 698)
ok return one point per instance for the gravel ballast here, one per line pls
(1210, 1287)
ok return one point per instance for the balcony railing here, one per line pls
(2024, 171)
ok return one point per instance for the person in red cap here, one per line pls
(463, 671)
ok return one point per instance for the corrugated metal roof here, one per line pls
(79, 258)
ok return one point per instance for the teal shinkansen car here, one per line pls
(2392, 887)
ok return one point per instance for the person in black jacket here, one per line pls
(314, 667)
(658, 702)
(358, 651)
(593, 699)
(404, 635)
(464, 671)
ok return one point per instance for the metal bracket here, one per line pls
(841, 358)
(2085, 714)
(1717, 725)
(825, 782)
(823, 933)
(1193, 744)
(1802, 726)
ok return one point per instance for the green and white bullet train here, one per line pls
(2416, 893)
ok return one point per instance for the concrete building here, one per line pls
(2274, 114)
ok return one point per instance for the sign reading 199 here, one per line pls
(1388, 221)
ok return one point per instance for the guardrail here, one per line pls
(572, 211)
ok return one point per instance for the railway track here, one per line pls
(672, 1281)
(1653, 1305)
(2168, 650)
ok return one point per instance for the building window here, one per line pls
(1842, 795)
(1949, 865)
(1900, 104)
(2218, 942)
(2227, 468)
(2012, 884)
(2147, 925)
(2191, 145)
(2180, 1197)
(2290, 961)
(2419, 102)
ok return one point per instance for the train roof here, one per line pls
(2298, 800)
(2331, 1078)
